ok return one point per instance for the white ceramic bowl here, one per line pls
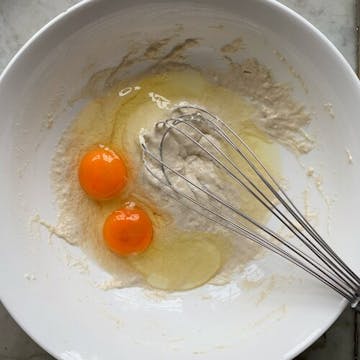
(41, 284)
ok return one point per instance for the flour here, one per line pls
(349, 156)
(234, 46)
(190, 161)
(277, 113)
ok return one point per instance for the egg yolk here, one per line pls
(102, 173)
(128, 231)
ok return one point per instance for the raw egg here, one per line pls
(168, 248)
(102, 173)
(128, 231)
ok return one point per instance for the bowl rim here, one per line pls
(75, 9)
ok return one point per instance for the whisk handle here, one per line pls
(356, 304)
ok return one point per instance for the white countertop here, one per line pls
(20, 19)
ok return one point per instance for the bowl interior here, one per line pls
(64, 309)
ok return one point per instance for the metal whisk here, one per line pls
(190, 125)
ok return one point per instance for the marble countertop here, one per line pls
(19, 19)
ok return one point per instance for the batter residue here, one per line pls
(186, 251)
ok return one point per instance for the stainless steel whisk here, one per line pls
(193, 125)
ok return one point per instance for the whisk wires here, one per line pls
(191, 125)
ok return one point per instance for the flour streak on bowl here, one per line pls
(217, 321)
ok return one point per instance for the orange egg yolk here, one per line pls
(102, 173)
(128, 231)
